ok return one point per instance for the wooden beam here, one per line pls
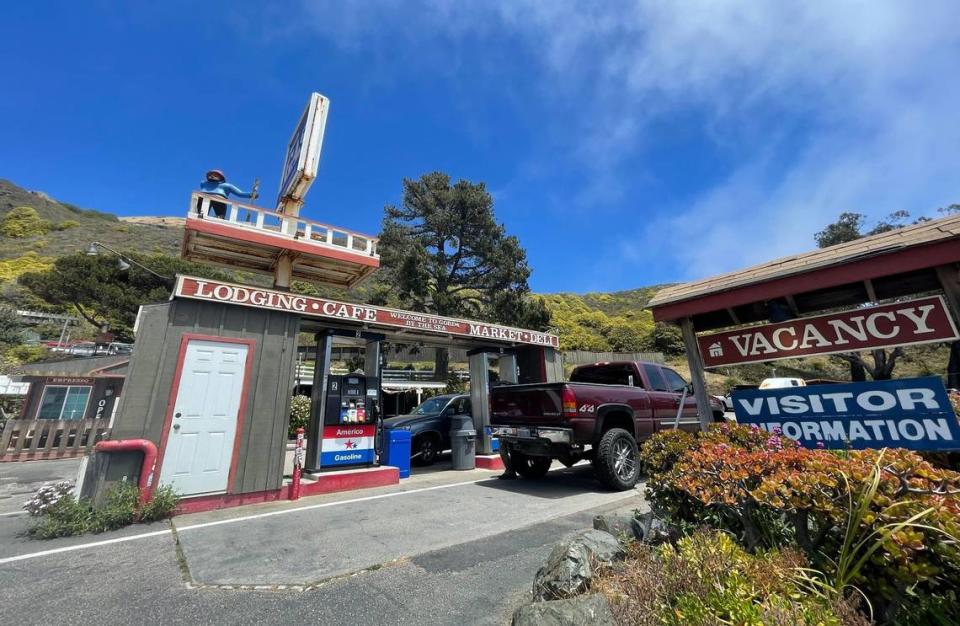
(695, 361)
(949, 276)
(733, 316)
(792, 304)
(871, 292)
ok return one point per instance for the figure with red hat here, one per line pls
(216, 185)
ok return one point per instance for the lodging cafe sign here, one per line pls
(924, 320)
(308, 306)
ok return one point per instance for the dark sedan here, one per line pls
(429, 426)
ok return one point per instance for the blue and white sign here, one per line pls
(348, 444)
(303, 152)
(912, 413)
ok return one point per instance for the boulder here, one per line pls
(654, 530)
(619, 525)
(590, 609)
(569, 568)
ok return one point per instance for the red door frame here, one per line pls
(185, 339)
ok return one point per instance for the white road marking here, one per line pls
(157, 533)
(13, 513)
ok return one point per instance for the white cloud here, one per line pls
(854, 104)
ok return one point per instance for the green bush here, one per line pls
(659, 453)
(707, 579)
(161, 505)
(69, 516)
(299, 414)
(67, 224)
(885, 524)
(23, 221)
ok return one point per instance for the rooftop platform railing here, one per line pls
(270, 222)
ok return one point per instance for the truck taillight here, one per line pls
(569, 402)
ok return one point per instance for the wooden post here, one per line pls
(949, 276)
(695, 361)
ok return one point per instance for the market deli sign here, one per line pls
(924, 320)
(908, 413)
(216, 291)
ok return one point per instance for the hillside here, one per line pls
(55, 228)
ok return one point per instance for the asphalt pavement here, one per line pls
(18, 481)
(440, 548)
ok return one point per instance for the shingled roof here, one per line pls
(925, 233)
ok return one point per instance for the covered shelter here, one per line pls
(923, 259)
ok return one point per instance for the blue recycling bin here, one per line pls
(397, 451)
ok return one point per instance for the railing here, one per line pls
(294, 228)
(583, 357)
(50, 439)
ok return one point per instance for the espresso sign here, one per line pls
(308, 306)
(925, 320)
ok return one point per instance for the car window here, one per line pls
(675, 381)
(656, 380)
(603, 375)
(433, 405)
(460, 406)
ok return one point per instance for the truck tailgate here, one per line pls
(536, 404)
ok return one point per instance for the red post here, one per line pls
(297, 464)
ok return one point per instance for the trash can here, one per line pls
(397, 451)
(463, 442)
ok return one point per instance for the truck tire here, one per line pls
(617, 460)
(530, 466)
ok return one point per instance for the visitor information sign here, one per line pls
(912, 413)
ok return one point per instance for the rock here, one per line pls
(654, 530)
(619, 525)
(591, 609)
(569, 567)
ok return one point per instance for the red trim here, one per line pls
(149, 450)
(348, 480)
(911, 259)
(175, 389)
(325, 483)
(224, 229)
(490, 462)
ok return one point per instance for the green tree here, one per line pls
(446, 254)
(102, 293)
(666, 338)
(849, 227)
(11, 328)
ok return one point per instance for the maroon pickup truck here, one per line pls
(600, 415)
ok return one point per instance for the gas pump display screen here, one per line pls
(352, 392)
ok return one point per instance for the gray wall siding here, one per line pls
(147, 392)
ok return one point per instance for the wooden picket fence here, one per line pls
(22, 440)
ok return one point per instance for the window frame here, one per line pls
(63, 402)
(666, 379)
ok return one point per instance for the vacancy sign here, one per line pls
(924, 320)
(910, 413)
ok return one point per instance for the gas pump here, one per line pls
(349, 409)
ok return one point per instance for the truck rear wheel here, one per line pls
(616, 460)
(530, 466)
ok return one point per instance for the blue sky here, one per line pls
(625, 143)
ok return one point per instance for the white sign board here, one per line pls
(303, 152)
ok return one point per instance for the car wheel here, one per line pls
(425, 450)
(530, 466)
(617, 461)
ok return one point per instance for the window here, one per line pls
(63, 403)
(656, 379)
(460, 406)
(675, 381)
(603, 375)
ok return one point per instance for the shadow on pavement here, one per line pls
(557, 484)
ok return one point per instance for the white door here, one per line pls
(200, 442)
